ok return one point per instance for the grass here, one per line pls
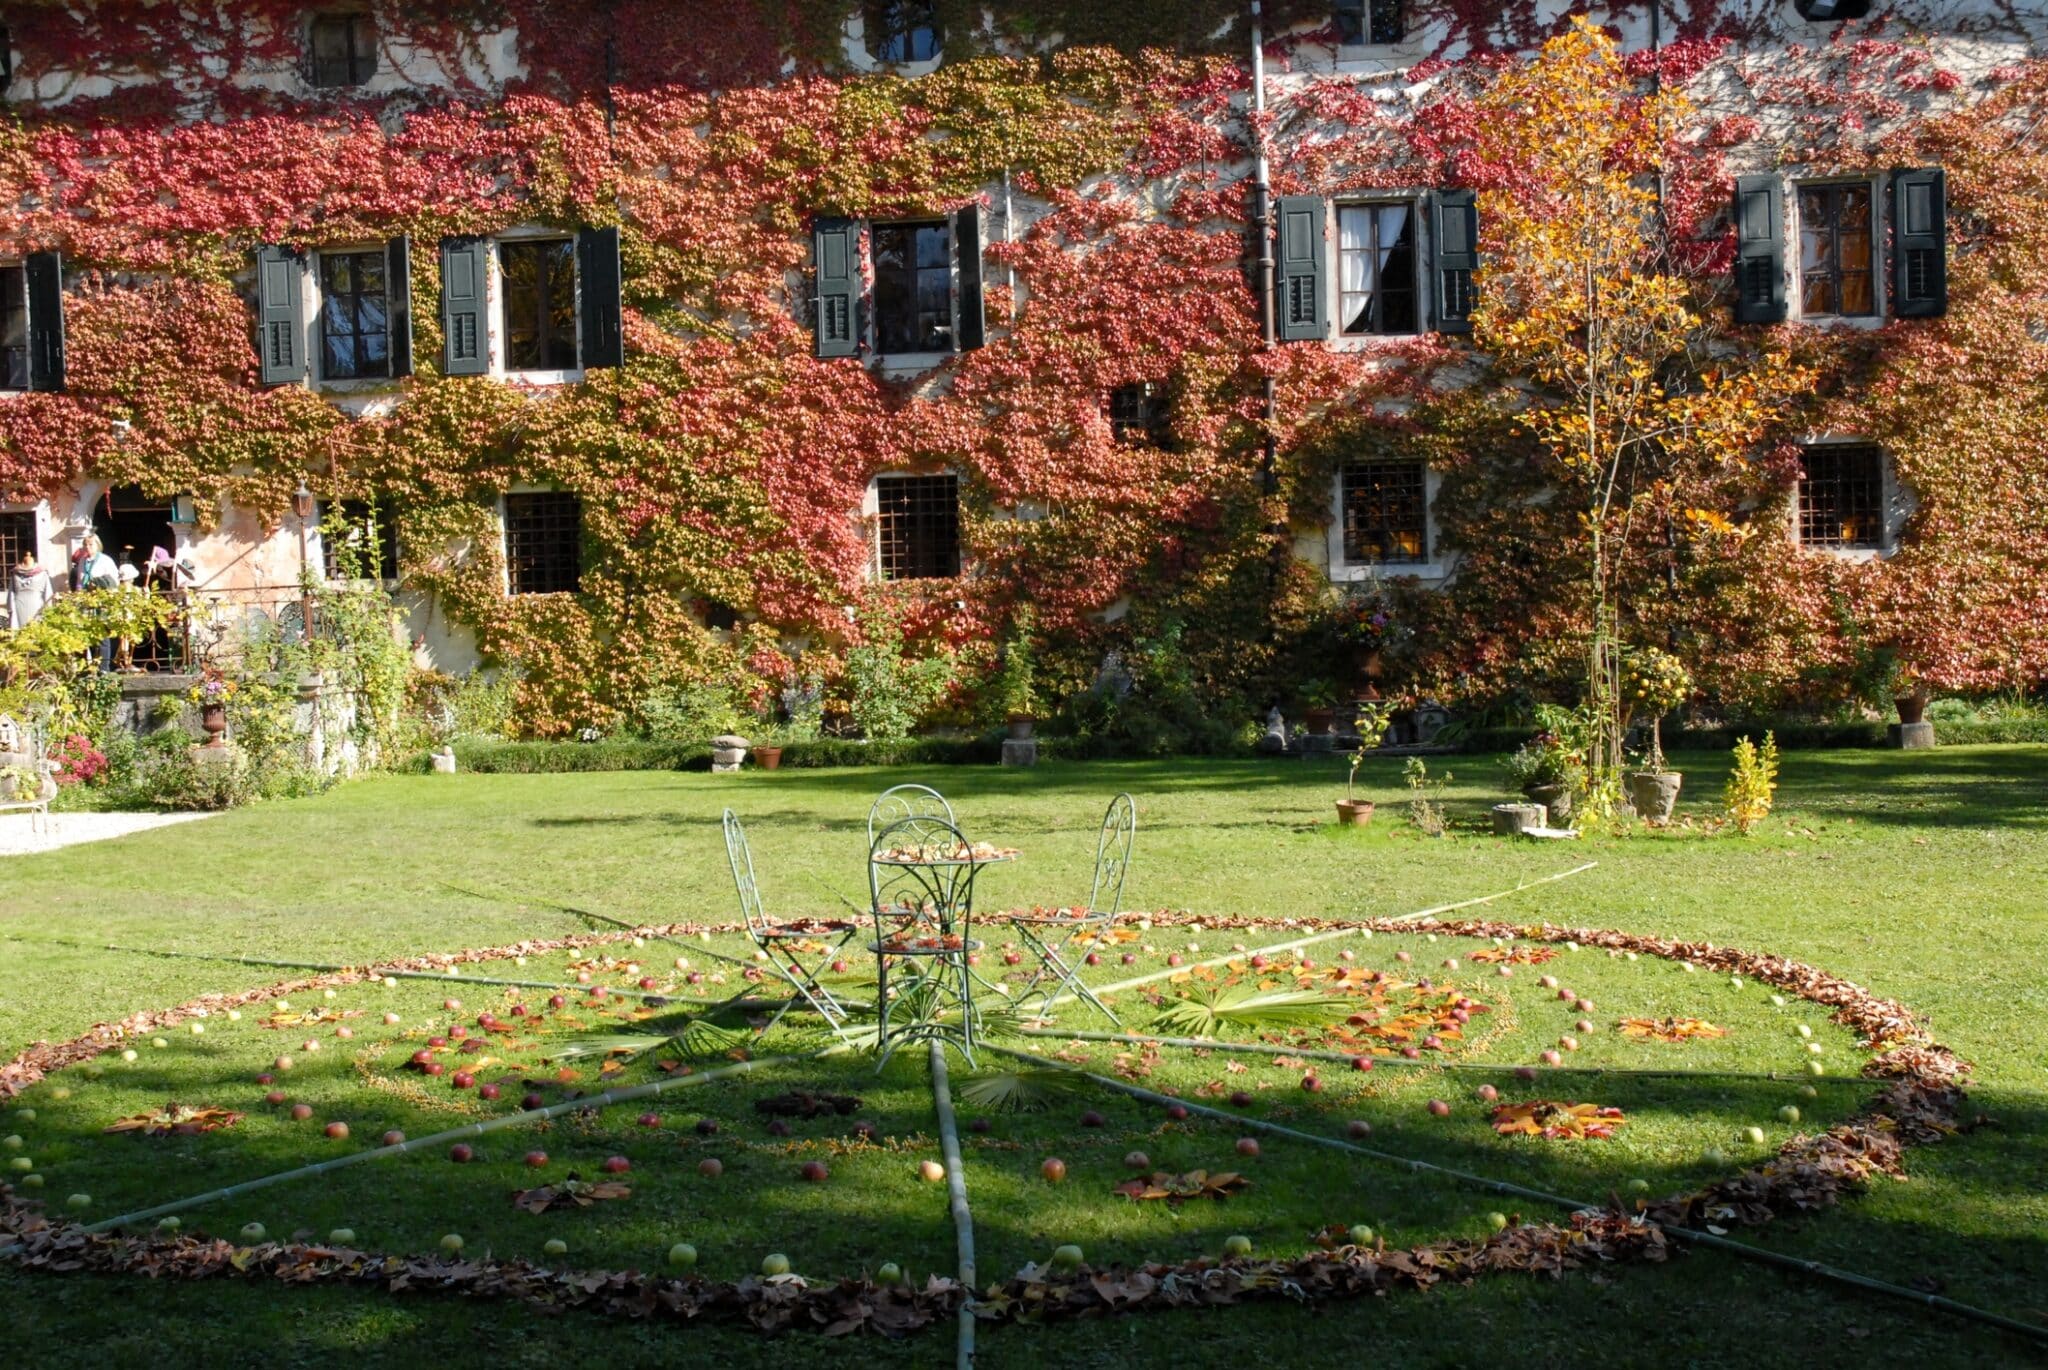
(1918, 875)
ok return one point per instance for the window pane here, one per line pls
(13, 328)
(901, 30)
(344, 49)
(1841, 497)
(913, 287)
(1385, 512)
(543, 543)
(918, 526)
(352, 315)
(1350, 21)
(540, 304)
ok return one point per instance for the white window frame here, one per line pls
(1898, 502)
(1417, 202)
(1436, 568)
(1795, 263)
(495, 308)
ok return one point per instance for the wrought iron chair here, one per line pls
(899, 802)
(923, 903)
(785, 947)
(1050, 936)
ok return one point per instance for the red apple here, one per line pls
(597, 991)
(1358, 1127)
(488, 1091)
(557, 1001)
(1137, 1160)
(276, 1096)
(452, 1005)
(1247, 1146)
(1174, 958)
(301, 1112)
(1259, 963)
(1487, 1094)
(1552, 1058)
(536, 1159)
(1439, 1108)
(1091, 1119)
(1361, 1063)
(616, 1165)
(707, 1127)
(458, 1032)
(650, 1120)
(1054, 1169)
(1404, 957)
(710, 1167)
(393, 1137)
(1525, 1072)
(1130, 958)
(436, 1042)
(422, 1056)
(265, 1078)
(815, 1172)
(533, 1101)
(461, 1153)
(1585, 1005)
(1092, 959)
(337, 1130)
(1311, 1083)
(462, 1079)
(1240, 1099)
(1177, 1112)
(647, 982)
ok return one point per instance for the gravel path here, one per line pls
(21, 836)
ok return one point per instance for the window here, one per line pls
(13, 328)
(1831, 11)
(540, 304)
(544, 543)
(918, 526)
(359, 539)
(1138, 414)
(1841, 497)
(901, 30)
(1834, 250)
(17, 535)
(913, 288)
(344, 48)
(1370, 21)
(1376, 268)
(1386, 514)
(355, 331)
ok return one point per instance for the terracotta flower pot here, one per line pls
(769, 757)
(1320, 721)
(214, 719)
(1355, 813)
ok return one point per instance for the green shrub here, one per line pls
(689, 713)
(163, 774)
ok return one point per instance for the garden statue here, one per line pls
(1275, 738)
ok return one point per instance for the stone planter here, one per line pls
(1354, 813)
(1654, 794)
(1556, 801)
(1912, 707)
(769, 757)
(1021, 726)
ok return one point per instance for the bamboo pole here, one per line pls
(1351, 930)
(1684, 1235)
(1402, 1062)
(956, 1186)
(467, 1130)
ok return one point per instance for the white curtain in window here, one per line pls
(1354, 230)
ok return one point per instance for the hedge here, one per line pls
(486, 756)
(1793, 735)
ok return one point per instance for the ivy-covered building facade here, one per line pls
(639, 345)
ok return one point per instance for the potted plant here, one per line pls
(1015, 695)
(1653, 682)
(1550, 768)
(1372, 725)
(1319, 706)
(768, 750)
(211, 694)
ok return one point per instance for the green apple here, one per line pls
(1066, 1257)
(128, 1054)
(1638, 1186)
(342, 1236)
(27, 1115)
(1754, 1135)
(1808, 1092)
(452, 1242)
(31, 1182)
(1360, 1235)
(1497, 1221)
(158, 1042)
(1714, 1156)
(774, 1263)
(682, 1255)
(1777, 1001)
(170, 1224)
(234, 1015)
(80, 1201)
(1803, 1030)
(556, 1247)
(13, 1143)
(1237, 1245)
(60, 1093)
(22, 1163)
(890, 1273)
(253, 1232)
(1790, 1113)
(196, 1029)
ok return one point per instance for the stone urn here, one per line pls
(1653, 794)
(1022, 725)
(728, 751)
(1556, 801)
(214, 719)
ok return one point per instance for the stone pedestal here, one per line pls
(444, 762)
(728, 751)
(1912, 736)
(1020, 751)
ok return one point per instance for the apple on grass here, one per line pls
(616, 1165)
(252, 1232)
(1248, 1146)
(80, 1201)
(1360, 1235)
(1754, 1135)
(931, 1172)
(1358, 1127)
(170, 1224)
(556, 1247)
(814, 1172)
(1053, 1169)
(1237, 1245)
(1066, 1257)
(711, 1167)
(1440, 1108)
(682, 1255)
(1137, 1160)
(301, 1112)
(393, 1137)
(452, 1243)
(773, 1264)
(342, 1236)
(462, 1153)
(337, 1130)
(890, 1273)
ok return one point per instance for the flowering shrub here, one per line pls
(78, 762)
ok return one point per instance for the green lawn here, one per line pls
(1919, 876)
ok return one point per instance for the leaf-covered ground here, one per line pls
(420, 865)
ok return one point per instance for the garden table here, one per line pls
(922, 874)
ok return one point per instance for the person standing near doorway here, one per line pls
(28, 591)
(96, 571)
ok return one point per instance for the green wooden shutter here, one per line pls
(398, 303)
(1300, 311)
(45, 272)
(1454, 239)
(465, 339)
(598, 286)
(835, 250)
(280, 315)
(1920, 243)
(967, 243)
(1759, 249)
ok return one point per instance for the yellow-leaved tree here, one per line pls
(1631, 392)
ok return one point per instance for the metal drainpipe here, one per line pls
(1278, 550)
